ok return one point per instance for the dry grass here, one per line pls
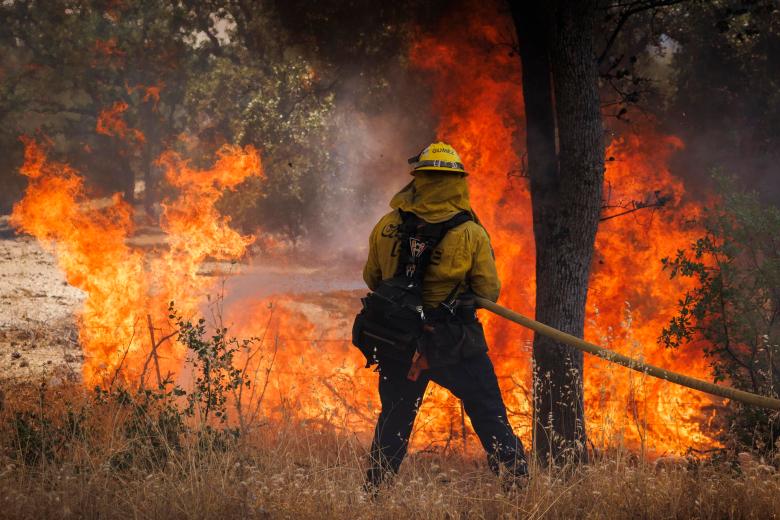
(99, 465)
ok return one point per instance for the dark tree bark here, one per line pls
(118, 174)
(560, 88)
(128, 181)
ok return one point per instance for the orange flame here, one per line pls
(480, 105)
(312, 372)
(150, 93)
(195, 229)
(110, 122)
(108, 47)
(89, 241)
(307, 369)
(121, 283)
(107, 52)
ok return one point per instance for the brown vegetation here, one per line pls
(67, 453)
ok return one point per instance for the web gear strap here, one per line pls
(418, 240)
(390, 326)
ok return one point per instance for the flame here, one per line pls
(304, 366)
(631, 300)
(312, 372)
(195, 229)
(110, 122)
(107, 53)
(478, 97)
(149, 93)
(123, 284)
(108, 47)
(89, 241)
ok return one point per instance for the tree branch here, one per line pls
(636, 205)
(631, 9)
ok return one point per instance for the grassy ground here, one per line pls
(67, 454)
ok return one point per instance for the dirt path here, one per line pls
(37, 314)
(39, 309)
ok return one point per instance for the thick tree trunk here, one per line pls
(556, 40)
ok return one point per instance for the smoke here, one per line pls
(369, 146)
(372, 152)
(717, 91)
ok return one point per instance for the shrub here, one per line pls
(734, 310)
(151, 424)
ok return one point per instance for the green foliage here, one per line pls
(67, 61)
(213, 362)
(267, 74)
(37, 438)
(724, 91)
(152, 424)
(281, 109)
(733, 310)
(219, 72)
(153, 428)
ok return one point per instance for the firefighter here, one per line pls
(461, 264)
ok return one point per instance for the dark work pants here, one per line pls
(474, 382)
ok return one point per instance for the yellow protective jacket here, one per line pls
(464, 254)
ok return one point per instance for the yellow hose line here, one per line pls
(633, 364)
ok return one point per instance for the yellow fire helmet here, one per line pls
(437, 156)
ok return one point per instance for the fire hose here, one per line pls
(633, 364)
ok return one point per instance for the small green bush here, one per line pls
(734, 309)
(152, 424)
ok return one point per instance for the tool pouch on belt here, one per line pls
(391, 324)
(452, 333)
